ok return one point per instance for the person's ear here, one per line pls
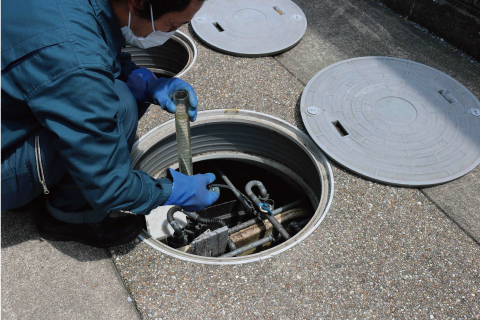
(136, 5)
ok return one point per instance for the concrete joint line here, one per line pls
(449, 217)
(124, 285)
(293, 74)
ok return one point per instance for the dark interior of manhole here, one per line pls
(164, 61)
(243, 228)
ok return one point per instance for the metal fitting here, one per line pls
(265, 207)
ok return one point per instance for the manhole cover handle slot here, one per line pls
(218, 26)
(446, 94)
(279, 11)
(343, 132)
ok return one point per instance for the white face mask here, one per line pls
(156, 38)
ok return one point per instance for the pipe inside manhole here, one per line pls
(240, 146)
(172, 59)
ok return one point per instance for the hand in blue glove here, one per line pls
(145, 86)
(137, 83)
(161, 92)
(190, 192)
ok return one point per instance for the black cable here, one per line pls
(242, 200)
(208, 221)
(192, 215)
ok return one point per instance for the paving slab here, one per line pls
(460, 201)
(57, 280)
(340, 30)
(345, 29)
(382, 251)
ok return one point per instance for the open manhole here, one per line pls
(172, 59)
(246, 146)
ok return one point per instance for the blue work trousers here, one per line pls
(21, 180)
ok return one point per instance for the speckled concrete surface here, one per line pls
(460, 200)
(382, 252)
(223, 81)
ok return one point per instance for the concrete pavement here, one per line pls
(339, 31)
(57, 280)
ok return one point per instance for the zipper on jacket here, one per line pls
(38, 161)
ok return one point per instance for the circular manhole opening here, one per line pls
(172, 59)
(246, 146)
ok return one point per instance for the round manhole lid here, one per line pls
(250, 28)
(393, 120)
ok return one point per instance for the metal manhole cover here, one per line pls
(250, 28)
(393, 120)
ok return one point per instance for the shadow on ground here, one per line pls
(20, 227)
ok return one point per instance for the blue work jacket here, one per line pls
(59, 62)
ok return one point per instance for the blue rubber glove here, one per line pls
(137, 83)
(161, 90)
(190, 192)
(146, 87)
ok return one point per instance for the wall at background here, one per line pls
(456, 21)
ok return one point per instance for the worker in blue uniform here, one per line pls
(71, 101)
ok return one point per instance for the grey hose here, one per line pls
(277, 225)
(263, 191)
(172, 222)
(258, 203)
(250, 246)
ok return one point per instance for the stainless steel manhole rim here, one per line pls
(192, 49)
(166, 60)
(250, 119)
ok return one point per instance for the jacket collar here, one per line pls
(109, 23)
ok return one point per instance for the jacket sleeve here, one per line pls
(127, 65)
(79, 111)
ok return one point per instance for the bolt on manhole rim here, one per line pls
(474, 112)
(312, 110)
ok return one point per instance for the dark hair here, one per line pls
(160, 7)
